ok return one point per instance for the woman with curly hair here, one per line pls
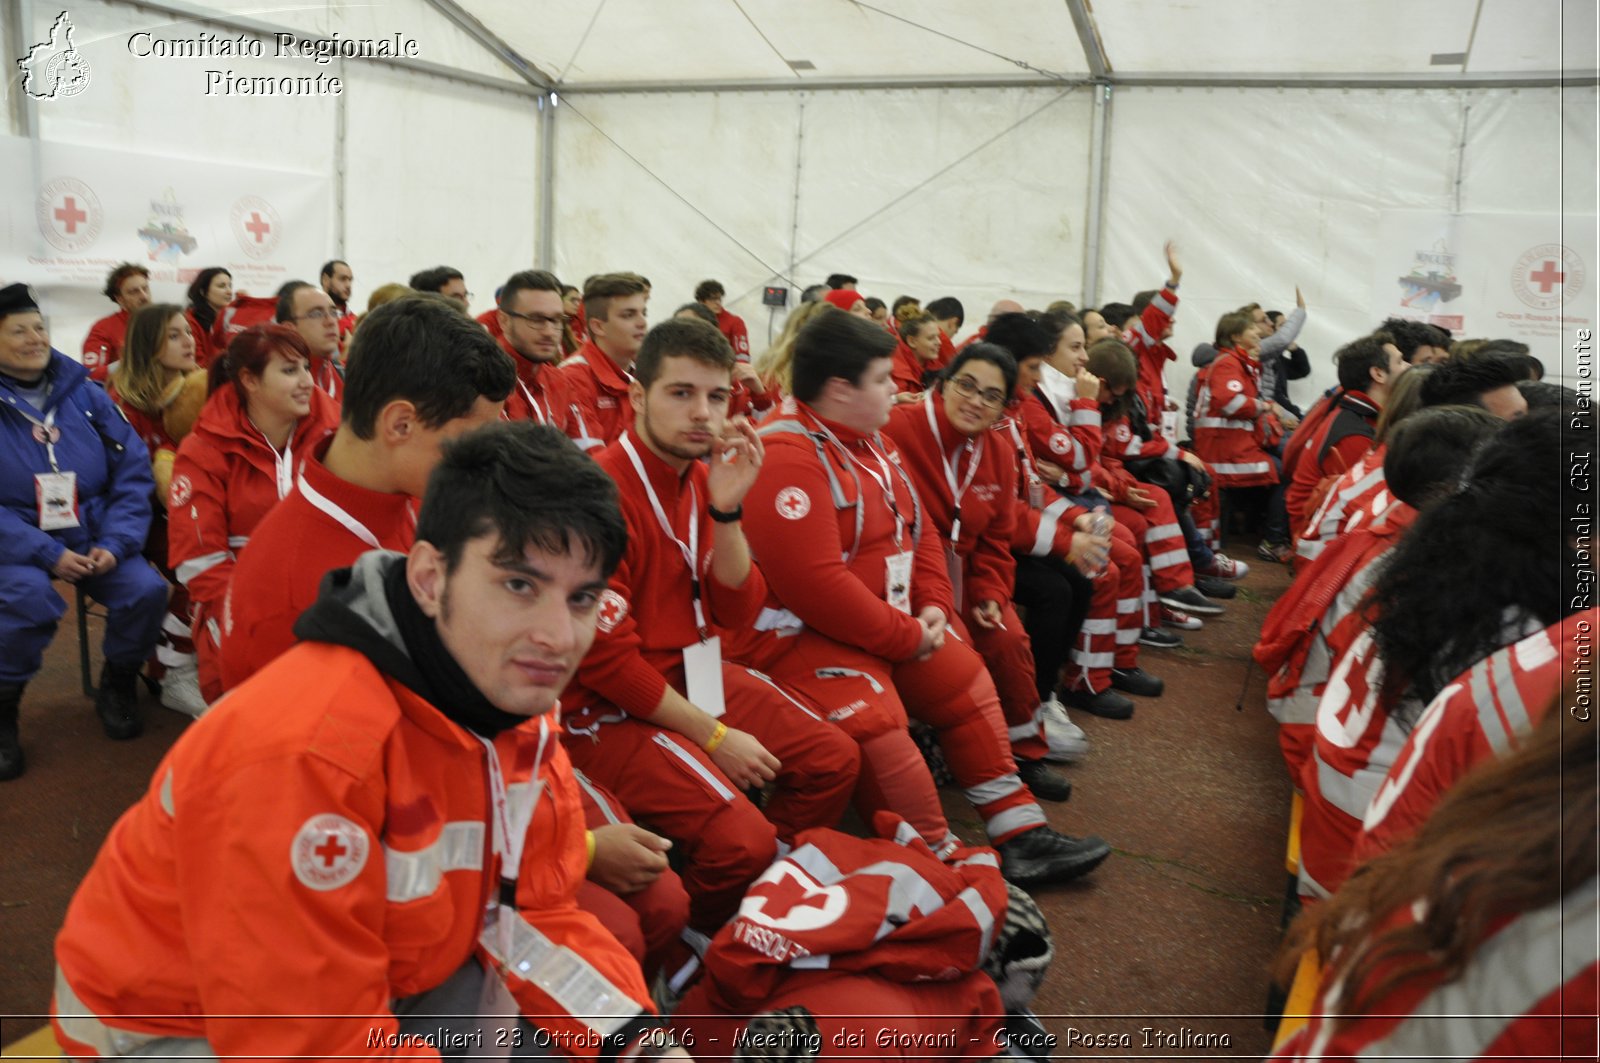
(1476, 940)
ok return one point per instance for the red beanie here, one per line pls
(844, 298)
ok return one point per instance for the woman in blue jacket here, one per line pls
(75, 487)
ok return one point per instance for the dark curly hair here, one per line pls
(1490, 555)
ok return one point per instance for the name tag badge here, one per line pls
(58, 499)
(953, 566)
(897, 581)
(498, 1010)
(702, 670)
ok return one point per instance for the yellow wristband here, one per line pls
(588, 841)
(716, 737)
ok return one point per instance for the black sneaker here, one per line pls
(1212, 587)
(1046, 783)
(1190, 601)
(1107, 703)
(1159, 638)
(117, 701)
(1137, 681)
(1042, 855)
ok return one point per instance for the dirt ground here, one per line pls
(1161, 953)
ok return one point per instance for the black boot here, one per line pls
(11, 763)
(117, 702)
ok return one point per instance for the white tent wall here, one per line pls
(976, 193)
(436, 170)
(1268, 188)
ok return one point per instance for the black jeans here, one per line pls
(1055, 597)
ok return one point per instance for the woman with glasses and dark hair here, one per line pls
(966, 479)
(263, 412)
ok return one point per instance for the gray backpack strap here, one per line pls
(835, 487)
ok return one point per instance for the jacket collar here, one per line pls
(605, 370)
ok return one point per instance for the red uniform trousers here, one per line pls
(671, 785)
(1008, 653)
(868, 697)
(1109, 637)
(1160, 540)
(648, 922)
(861, 1016)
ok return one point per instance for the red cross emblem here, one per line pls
(69, 214)
(613, 607)
(1547, 277)
(787, 898)
(793, 503)
(258, 228)
(329, 851)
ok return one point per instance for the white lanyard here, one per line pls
(691, 550)
(886, 481)
(284, 462)
(48, 434)
(539, 413)
(974, 452)
(1035, 483)
(510, 825)
(334, 510)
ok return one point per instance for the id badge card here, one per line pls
(58, 499)
(498, 1012)
(897, 581)
(702, 670)
(1036, 494)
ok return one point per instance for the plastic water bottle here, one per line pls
(1100, 524)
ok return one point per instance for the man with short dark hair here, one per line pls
(446, 281)
(841, 281)
(528, 325)
(597, 375)
(377, 842)
(421, 373)
(1339, 431)
(308, 310)
(657, 713)
(1419, 343)
(860, 600)
(1487, 380)
(338, 280)
(710, 294)
(128, 285)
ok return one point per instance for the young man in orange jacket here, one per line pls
(387, 811)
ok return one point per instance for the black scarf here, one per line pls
(436, 676)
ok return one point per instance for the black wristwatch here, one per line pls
(726, 518)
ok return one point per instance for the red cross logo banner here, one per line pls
(787, 898)
(256, 225)
(1548, 276)
(793, 503)
(68, 213)
(329, 851)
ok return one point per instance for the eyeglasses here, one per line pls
(538, 320)
(968, 388)
(319, 314)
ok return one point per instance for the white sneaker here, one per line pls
(180, 691)
(1066, 739)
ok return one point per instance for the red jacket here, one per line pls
(1328, 447)
(1485, 713)
(647, 616)
(985, 471)
(151, 427)
(243, 312)
(732, 326)
(1313, 623)
(1527, 993)
(224, 482)
(203, 352)
(841, 903)
(1043, 522)
(820, 517)
(1353, 492)
(1144, 337)
(1074, 446)
(1227, 430)
(907, 369)
(315, 848)
(542, 393)
(597, 398)
(275, 578)
(102, 347)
